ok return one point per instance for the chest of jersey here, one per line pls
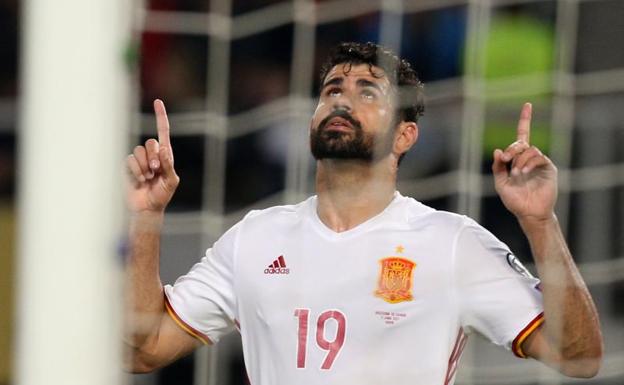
(326, 302)
(377, 270)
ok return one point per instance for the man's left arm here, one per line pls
(570, 339)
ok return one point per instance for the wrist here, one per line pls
(534, 223)
(147, 219)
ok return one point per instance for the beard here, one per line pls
(355, 145)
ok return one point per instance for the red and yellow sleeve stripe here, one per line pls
(186, 327)
(516, 345)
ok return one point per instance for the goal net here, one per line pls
(239, 79)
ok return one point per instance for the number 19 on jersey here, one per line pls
(331, 346)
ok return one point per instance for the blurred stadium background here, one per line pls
(239, 80)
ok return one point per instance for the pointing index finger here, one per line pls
(162, 122)
(524, 123)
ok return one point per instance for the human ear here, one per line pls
(406, 136)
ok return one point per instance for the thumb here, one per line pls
(499, 168)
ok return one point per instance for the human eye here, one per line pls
(333, 92)
(368, 95)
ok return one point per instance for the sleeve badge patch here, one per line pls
(395, 280)
(518, 266)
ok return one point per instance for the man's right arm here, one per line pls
(153, 338)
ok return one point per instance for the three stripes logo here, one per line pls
(277, 267)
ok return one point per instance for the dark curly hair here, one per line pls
(399, 72)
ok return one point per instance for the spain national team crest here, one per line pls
(395, 280)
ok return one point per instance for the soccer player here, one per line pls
(359, 284)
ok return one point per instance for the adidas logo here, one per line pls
(277, 267)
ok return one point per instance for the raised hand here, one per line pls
(529, 188)
(153, 179)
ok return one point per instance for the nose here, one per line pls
(342, 103)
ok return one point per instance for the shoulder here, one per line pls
(257, 223)
(284, 214)
(419, 216)
(472, 233)
(447, 225)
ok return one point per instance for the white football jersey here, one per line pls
(387, 302)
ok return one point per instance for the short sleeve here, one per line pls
(203, 302)
(498, 297)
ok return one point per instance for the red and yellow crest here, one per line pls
(395, 280)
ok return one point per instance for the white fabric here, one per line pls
(461, 280)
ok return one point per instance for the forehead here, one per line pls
(358, 71)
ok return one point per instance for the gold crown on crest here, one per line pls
(397, 265)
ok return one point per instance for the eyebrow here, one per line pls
(337, 81)
(368, 83)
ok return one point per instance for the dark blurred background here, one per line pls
(239, 145)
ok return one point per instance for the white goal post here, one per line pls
(73, 126)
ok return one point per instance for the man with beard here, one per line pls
(359, 284)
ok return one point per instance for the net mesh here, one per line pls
(239, 80)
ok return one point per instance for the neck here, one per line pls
(350, 191)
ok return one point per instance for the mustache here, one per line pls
(340, 113)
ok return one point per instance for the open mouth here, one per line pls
(338, 124)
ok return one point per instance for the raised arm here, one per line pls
(570, 339)
(153, 338)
